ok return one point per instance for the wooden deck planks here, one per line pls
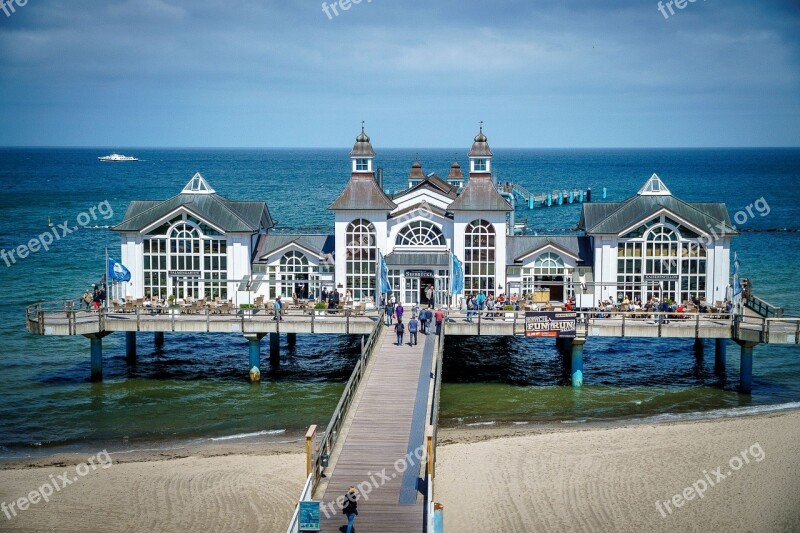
(378, 438)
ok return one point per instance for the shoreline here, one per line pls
(293, 442)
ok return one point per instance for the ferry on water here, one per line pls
(117, 157)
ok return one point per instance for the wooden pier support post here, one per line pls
(291, 339)
(130, 346)
(576, 362)
(158, 339)
(274, 349)
(720, 353)
(254, 342)
(746, 367)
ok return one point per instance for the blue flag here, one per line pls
(386, 287)
(458, 276)
(737, 283)
(117, 271)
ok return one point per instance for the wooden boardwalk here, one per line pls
(387, 423)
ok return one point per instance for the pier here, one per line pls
(547, 199)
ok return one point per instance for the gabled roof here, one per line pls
(455, 172)
(362, 193)
(424, 206)
(230, 216)
(479, 195)
(616, 217)
(434, 184)
(320, 245)
(520, 246)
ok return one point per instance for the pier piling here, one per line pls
(291, 339)
(130, 346)
(274, 349)
(720, 353)
(96, 350)
(699, 347)
(576, 362)
(746, 367)
(158, 339)
(254, 342)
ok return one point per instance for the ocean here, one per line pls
(196, 388)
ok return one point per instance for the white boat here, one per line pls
(117, 157)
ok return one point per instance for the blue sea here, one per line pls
(196, 389)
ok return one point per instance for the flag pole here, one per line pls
(105, 277)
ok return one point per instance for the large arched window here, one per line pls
(420, 233)
(479, 256)
(662, 259)
(361, 258)
(294, 272)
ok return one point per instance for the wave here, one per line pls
(732, 412)
(247, 435)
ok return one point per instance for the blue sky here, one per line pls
(261, 73)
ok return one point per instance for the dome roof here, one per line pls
(416, 171)
(362, 147)
(480, 148)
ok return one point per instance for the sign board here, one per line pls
(308, 516)
(184, 273)
(418, 273)
(550, 324)
(661, 277)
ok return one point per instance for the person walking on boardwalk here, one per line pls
(96, 299)
(87, 299)
(423, 321)
(412, 331)
(389, 311)
(439, 316)
(350, 508)
(480, 300)
(429, 296)
(277, 308)
(400, 329)
(398, 312)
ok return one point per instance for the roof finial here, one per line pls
(362, 126)
(481, 126)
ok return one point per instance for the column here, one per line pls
(274, 349)
(576, 362)
(254, 343)
(291, 339)
(746, 367)
(699, 347)
(158, 338)
(720, 352)
(96, 349)
(130, 346)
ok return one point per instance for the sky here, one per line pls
(421, 73)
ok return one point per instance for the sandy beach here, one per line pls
(489, 479)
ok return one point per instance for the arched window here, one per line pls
(661, 259)
(420, 233)
(361, 258)
(294, 272)
(479, 255)
(548, 274)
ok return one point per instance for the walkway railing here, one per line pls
(763, 307)
(72, 314)
(431, 436)
(323, 451)
(765, 327)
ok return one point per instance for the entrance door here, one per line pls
(423, 291)
(556, 286)
(184, 288)
(301, 286)
(411, 295)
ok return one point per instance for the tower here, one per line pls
(480, 157)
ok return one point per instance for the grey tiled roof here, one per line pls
(228, 215)
(321, 245)
(615, 217)
(436, 259)
(361, 193)
(518, 246)
(479, 195)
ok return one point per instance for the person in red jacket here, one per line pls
(439, 317)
